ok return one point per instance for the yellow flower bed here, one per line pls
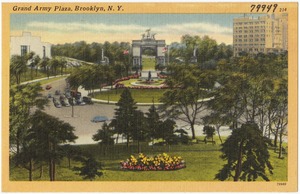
(158, 162)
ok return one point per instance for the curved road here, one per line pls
(84, 128)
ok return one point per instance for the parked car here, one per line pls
(98, 119)
(56, 103)
(68, 95)
(64, 102)
(72, 101)
(87, 100)
(48, 87)
(49, 95)
(80, 102)
(62, 97)
(76, 94)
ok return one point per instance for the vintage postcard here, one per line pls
(149, 97)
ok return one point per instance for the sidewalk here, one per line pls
(85, 93)
(44, 78)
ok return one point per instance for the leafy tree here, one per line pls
(207, 49)
(246, 153)
(28, 158)
(124, 115)
(278, 120)
(139, 130)
(23, 99)
(183, 136)
(167, 131)
(48, 133)
(104, 136)
(185, 98)
(214, 119)
(153, 123)
(44, 64)
(33, 63)
(90, 169)
(18, 67)
(209, 132)
(71, 152)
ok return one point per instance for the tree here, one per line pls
(44, 64)
(17, 67)
(48, 133)
(246, 153)
(124, 115)
(278, 120)
(185, 99)
(71, 152)
(54, 63)
(167, 132)
(183, 136)
(28, 157)
(214, 119)
(33, 63)
(153, 123)
(23, 98)
(207, 49)
(139, 131)
(90, 169)
(104, 136)
(62, 63)
(209, 132)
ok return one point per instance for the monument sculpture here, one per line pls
(148, 41)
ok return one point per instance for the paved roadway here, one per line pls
(84, 128)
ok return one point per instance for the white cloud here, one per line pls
(107, 32)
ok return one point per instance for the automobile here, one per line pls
(48, 87)
(49, 95)
(64, 102)
(87, 100)
(98, 119)
(72, 101)
(56, 103)
(62, 97)
(80, 102)
(68, 95)
(76, 94)
(57, 92)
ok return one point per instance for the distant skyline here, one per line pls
(69, 28)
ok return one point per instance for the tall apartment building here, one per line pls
(263, 34)
(21, 45)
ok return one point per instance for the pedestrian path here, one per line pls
(44, 78)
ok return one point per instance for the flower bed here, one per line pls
(158, 162)
(161, 76)
(135, 76)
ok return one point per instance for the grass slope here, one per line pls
(202, 160)
(139, 95)
(148, 64)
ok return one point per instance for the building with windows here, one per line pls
(263, 34)
(21, 45)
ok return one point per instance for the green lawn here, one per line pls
(148, 63)
(51, 79)
(139, 95)
(202, 163)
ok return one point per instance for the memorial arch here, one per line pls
(148, 41)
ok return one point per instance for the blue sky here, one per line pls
(68, 28)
